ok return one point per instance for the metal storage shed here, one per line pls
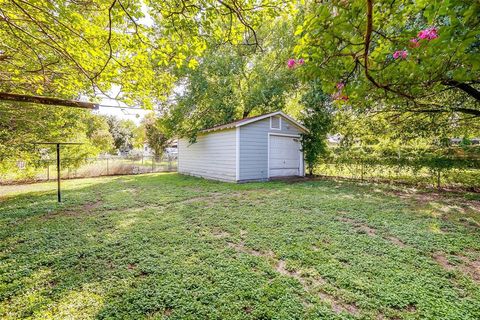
(251, 149)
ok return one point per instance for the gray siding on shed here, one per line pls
(212, 156)
(254, 147)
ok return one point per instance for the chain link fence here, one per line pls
(447, 167)
(45, 170)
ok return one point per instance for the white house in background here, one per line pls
(170, 151)
(146, 150)
(334, 138)
(251, 149)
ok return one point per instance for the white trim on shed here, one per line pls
(300, 152)
(237, 153)
(240, 151)
(246, 121)
(279, 122)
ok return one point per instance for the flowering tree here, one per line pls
(400, 56)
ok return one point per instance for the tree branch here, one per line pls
(4, 96)
(473, 112)
(471, 91)
(242, 20)
(110, 49)
(368, 36)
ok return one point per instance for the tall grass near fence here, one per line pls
(440, 167)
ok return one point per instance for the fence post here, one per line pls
(107, 166)
(398, 166)
(438, 178)
(48, 172)
(361, 172)
(153, 165)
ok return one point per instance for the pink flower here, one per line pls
(414, 43)
(340, 85)
(300, 61)
(291, 63)
(400, 54)
(428, 34)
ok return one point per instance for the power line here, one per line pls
(118, 107)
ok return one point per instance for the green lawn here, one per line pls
(166, 246)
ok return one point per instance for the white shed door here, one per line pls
(284, 156)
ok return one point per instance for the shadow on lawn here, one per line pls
(142, 246)
(59, 253)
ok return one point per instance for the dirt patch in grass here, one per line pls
(309, 284)
(410, 308)
(468, 267)
(91, 205)
(240, 195)
(360, 227)
(87, 208)
(210, 198)
(339, 307)
(396, 241)
(447, 198)
(167, 312)
(220, 234)
(365, 229)
(442, 261)
(469, 222)
(190, 200)
(247, 309)
(240, 247)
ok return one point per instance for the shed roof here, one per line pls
(248, 120)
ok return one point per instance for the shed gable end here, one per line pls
(254, 144)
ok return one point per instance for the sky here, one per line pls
(136, 115)
(112, 107)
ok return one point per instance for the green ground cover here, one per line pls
(167, 246)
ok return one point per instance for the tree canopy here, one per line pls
(233, 82)
(400, 56)
(23, 127)
(82, 48)
(409, 68)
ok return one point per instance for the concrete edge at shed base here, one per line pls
(253, 180)
(188, 174)
(240, 181)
